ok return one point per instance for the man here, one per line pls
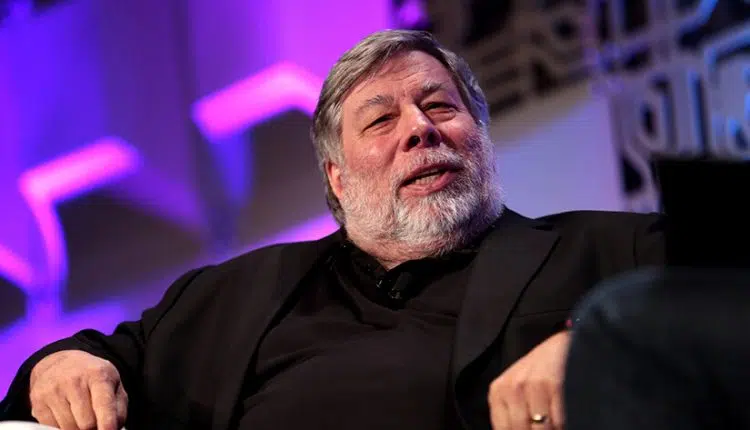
(433, 307)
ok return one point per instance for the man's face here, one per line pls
(416, 165)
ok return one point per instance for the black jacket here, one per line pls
(183, 363)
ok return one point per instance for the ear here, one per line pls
(333, 171)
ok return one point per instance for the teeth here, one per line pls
(431, 177)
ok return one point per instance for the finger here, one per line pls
(61, 410)
(518, 408)
(122, 405)
(499, 414)
(44, 415)
(538, 399)
(557, 413)
(104, 404)
(80, 406)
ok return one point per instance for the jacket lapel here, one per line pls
(507, 261)
(274, 282)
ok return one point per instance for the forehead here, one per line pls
(405, 72)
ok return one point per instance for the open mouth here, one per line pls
(430, 179)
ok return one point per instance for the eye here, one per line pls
(438, 105)
(380, 119)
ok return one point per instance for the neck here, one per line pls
(391, 253)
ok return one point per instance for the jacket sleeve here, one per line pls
(124, 348)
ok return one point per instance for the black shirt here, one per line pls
(361, 347)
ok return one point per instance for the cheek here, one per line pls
(369, 158)
(459, 136)
(370, 174)
(461, 132)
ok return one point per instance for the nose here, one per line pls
(422, 132)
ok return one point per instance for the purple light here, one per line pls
(42, 187)
(252, 100)
(16, 269)
(257, 98)
(412, 13)
(19, 10)
(312, 229)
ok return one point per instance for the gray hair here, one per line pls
(364, 60)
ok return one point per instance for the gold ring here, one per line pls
(538, 419)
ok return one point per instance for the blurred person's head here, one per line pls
(401, 135)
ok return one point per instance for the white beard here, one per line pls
(435, 224)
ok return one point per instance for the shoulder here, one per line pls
(602, 222)
(623, 239)
(272, 256)
(226, 279)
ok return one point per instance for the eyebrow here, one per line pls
(378, 100)
(428, 88)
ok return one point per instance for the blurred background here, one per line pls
(142, 138)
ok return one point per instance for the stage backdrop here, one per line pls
(676, 73)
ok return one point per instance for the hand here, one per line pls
(532, 385)
(76, 390)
